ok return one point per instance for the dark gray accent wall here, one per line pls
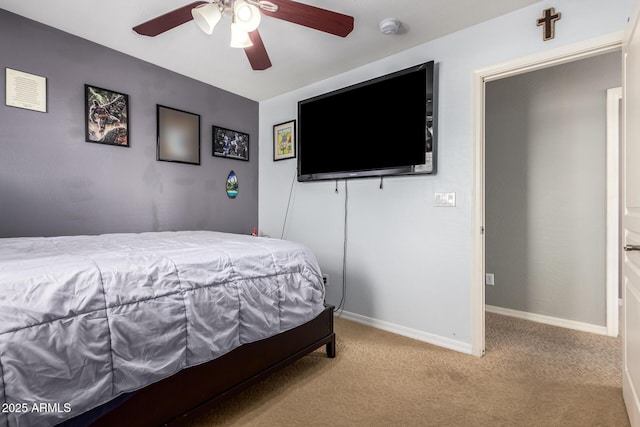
(52, 182)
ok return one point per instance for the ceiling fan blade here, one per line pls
(257, 54)
(167, 21)
(312, 17)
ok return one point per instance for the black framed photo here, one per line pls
(106, 116)
(178, 136)
(284, 141)
(230, 143)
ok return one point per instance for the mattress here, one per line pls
(84, 319)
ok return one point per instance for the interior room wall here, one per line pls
(52, 182)
(408, 262)
(545, 189)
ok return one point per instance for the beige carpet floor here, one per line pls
(532, 375)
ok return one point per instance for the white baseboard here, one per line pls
(455, 345)
(548, 320)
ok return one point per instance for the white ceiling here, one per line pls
(299, 55)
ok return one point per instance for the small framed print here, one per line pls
(106, 116)
(230, 143)
(24, 90)
(284, 141)
(178, 136)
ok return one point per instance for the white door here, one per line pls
(631, 221)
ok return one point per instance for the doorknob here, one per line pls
(631, 248)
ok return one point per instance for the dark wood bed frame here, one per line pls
(194, 391)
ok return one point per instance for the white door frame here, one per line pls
(614, 96)
(562, 55)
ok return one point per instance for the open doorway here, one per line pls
(535, 230)
(546, 193)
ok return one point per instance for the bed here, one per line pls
(149, 328)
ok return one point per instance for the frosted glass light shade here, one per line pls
(239, 37)
(206, 16)
(246, 15)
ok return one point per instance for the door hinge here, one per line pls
(482, 229)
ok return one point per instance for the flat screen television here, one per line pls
(379, 127)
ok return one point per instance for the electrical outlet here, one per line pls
(325, 280)
(489, 279)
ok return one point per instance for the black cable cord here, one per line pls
(344, 250)
(286, 214)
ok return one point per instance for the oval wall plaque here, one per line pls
(232, 185)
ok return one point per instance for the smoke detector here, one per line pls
(390, 26)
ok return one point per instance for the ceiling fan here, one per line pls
(245, 18)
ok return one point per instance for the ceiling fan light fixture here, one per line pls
(239, 37)
(246, 15)
(206, 16)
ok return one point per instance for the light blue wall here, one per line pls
(409, 263)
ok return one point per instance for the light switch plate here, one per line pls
(444, 200)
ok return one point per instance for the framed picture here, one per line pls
(230, 143)
(284, 141)
(24, 90)
(178, 136)
(106, 116)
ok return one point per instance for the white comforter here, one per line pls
(86, 318)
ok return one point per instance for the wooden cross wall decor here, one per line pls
(548, 19)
